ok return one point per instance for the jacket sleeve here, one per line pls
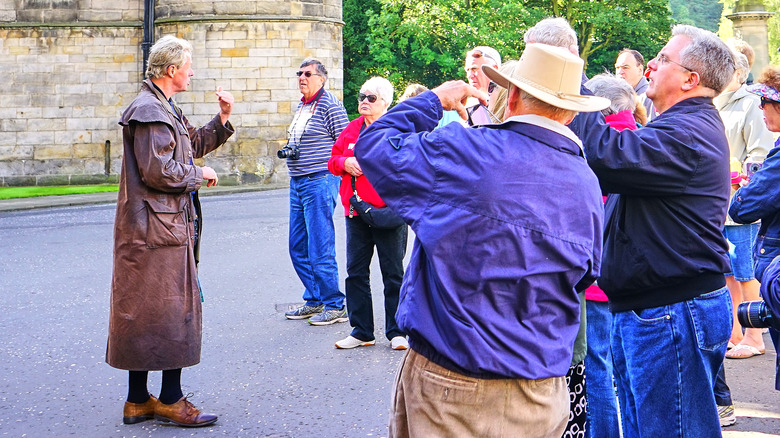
(760, 198)
(153, 148)
(651, 161)
(209, 137)
(397, 154)
(770, 286)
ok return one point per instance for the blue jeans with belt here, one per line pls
(666, 359)
(312, 237)
(391, 248)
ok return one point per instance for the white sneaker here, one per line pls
(399, 343)
(352, 342)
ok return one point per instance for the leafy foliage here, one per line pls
(425, 41)
(701, 13)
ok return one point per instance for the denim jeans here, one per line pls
(391, 248)
(602, 409)
(742, 239)
(665, 360)
(313, 238)
(722, 390)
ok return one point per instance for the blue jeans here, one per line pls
(666, 359)
(742, 239)
(313, 237)
(391, 248)
(602, 409)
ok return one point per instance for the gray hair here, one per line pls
(380, 86)
(321, 70)
(743, 67)
(707, 55)
(167, 51)
(554, 31)
(621, 95)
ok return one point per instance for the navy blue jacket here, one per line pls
(770, 291)
(507, 223)
(669, 189)
(760, 200)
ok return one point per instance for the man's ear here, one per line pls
(693, 81)
(512, 101)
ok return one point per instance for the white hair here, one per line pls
(381, 87)
(622, 96)
(707, 55)
(553, 31)
(167, 51)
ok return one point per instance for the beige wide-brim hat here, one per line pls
(550, 74)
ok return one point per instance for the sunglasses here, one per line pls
(491, 87)
(308, 74)
(476, 54)
(765, 101)
(371, 97)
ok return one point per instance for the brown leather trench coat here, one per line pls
(155, 320)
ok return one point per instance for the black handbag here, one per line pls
(383, 218)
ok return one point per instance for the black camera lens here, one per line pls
(288, 152)
(756, 314)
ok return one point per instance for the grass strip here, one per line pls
(33, 191)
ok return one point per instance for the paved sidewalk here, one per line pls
(110, 197)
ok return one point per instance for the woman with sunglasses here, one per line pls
(373, 100)
(759, 199)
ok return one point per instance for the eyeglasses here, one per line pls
(663, 59)
(491, 87)
(765, 102)
(308, 74)
(371, 97)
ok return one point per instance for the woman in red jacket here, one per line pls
(373, 100)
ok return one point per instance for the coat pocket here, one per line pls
(166, 225)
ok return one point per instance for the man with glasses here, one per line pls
(317, 123)
(475, 59)
(664, 252)
(630, 66)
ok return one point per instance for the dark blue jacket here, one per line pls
(770, 292)
(669, 188)
(760, 200)
(508, 224)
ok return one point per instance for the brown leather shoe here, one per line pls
(138, 412)
(183, 413)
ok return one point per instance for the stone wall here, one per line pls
(74, 65)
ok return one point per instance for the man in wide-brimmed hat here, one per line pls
(664, 251)
(508, 225)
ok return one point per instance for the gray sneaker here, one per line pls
(329, 316)
(304, 312)
(727, 416)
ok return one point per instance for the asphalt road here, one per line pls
(263, 375)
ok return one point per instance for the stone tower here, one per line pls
(72, 66)
(750, 24)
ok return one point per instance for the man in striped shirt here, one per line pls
(318, 121)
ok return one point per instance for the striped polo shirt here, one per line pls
(320, 131)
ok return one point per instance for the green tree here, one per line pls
(701, 13)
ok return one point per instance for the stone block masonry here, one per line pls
(74, 65)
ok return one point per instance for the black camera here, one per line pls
(756, 314)
(291, 152)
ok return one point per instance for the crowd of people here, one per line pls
(581, 246)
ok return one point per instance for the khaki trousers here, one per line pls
(432, 401)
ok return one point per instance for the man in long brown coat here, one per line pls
(155, 321)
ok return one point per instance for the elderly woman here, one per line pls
(318, 121)
(155, 321)
(760, 200)
(373, 100)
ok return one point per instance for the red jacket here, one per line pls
(343, 149)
